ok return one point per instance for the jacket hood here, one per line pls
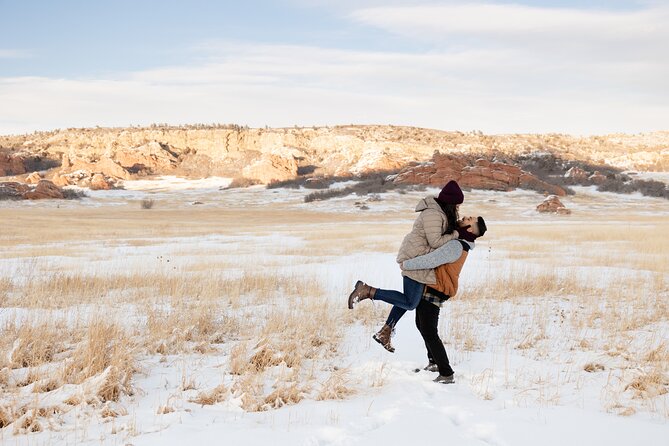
(427, 202)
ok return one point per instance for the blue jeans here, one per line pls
(408, 300)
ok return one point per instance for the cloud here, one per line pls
(560, 32)
(14, 54)
(513, 19)
(497, 91)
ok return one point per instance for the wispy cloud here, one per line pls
(514, 19)
(14, 54)
(281, 85)
(558, 32)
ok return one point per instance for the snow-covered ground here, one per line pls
(504, 394)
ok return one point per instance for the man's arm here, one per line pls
(448, 253)
(432, 225)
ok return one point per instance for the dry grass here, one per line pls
(337, 386)
(216, 395)
(47, 356)
(34, 344)
(106, 354)
(592, 367)
(270, 323)
(649, 384)
(285, 394)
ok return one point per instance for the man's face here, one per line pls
(472, 222)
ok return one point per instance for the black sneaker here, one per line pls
(431, 367)
(441, 379)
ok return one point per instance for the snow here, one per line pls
(502, 396)
(171, 184)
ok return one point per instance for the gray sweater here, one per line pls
(448, 253)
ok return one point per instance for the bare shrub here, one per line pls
(73, 194)
(241, 182)
(372, 185)
(325, 195)
(147, 203)
(623, 185)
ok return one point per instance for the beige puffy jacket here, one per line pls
(426, 236)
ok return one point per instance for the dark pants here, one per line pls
(408, 300)
(427, 321)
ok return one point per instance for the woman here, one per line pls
(435, 226)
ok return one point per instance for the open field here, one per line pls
(227, 320)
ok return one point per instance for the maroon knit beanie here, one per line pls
(451, 194)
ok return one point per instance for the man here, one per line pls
(448, 262)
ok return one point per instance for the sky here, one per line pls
(574, 67)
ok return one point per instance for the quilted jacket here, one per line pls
(426, 235)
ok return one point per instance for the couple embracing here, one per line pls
(431, 257)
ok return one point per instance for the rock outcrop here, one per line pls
(33, 178)
(552, 204)
(478, 174)
(44, 189)
(577, 175)
(13, 190)
(73, 163)
(100, 182)
(150, 158)
(21, 191)
(597, 178)
(267, 155)
(11, 165)
(271, 167)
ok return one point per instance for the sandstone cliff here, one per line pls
(111, 154)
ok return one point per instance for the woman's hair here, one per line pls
(452, 217)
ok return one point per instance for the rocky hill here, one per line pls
(102, 156)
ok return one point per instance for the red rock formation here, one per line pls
(11, 165)
(99, 182)
(44, 189)
(553, 204)
(12, 189)
(597, 178)
(481, 174)
(577, 174)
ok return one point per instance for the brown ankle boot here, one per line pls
(361, 291)
(383, 337)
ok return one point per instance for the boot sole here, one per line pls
(351, 297)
